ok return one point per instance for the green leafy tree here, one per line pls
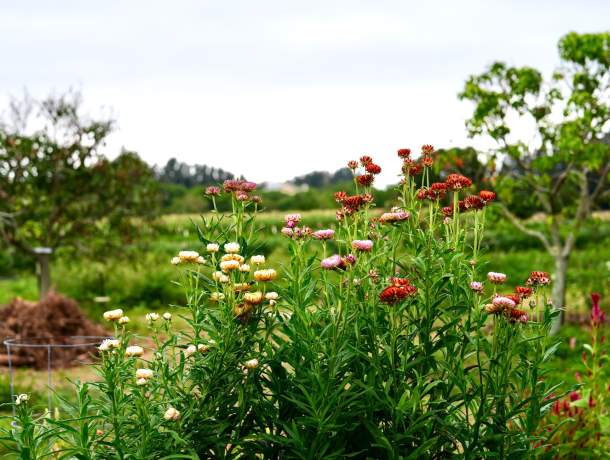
(555, 134)
(57, 189)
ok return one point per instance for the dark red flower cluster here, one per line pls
(404, 153)
(372, 169)
(365, 160)
(457, 182)
(240, 188)
(353, 165)
(538, 279)
(399, 290)
(351, 203)
(447, 211)
(597, 315)
(412, 168)
(514, 314)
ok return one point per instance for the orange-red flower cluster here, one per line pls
(538, 279)
(399, 290)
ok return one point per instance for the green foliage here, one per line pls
(56, 185)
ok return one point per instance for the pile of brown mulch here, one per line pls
(51, 321)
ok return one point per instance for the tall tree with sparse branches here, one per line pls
(555, 134)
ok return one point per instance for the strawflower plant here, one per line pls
(381, 338)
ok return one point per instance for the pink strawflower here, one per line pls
(397, 216)
(349, 259)
(326, 234)
(296, 218)
(287, 231)
(362, 245)
(212, 190)
(496, 278)
(572, 343)
(331, 262)
(476, 286)
(503, 302)
(241, 196)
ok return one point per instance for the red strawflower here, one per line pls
(458, 182)
(352, 164)
(365, 160)
(412, 168)
(517, 315)
(427, 161)
(365, 179)
(514, 297)
(538, 279)
(340, 196)
(486, 195)
(372, 168)
(427, 149)
(523, 291)
(422, 194)
(447, 211)
(393, 294)
(400, 281)
(404, 153)
(474, 202)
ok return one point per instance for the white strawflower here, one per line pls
(152, 317)
(109, 344)
(123, 319)
(167, 316)
(251, 364)
(229, 265)
(245, 268)
(141, 382)
(231, 248)
(257, 260)
(144, 374)
(113, 315)
(190, 350)
(175, 260)
(171, 414)
(212, 247)
(237, 257)
(21, 399)
(200, 260)
(202, 348)
(272, 295)
(134, 350)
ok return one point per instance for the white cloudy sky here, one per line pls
(273, 89)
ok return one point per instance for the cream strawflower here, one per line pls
(175, 260)
(245, 268)
(144, 374)
(241, 287)
(141, 382)
(272, 295)
(113, 315)
(188, 256)
(268, 274)
(202, 348)
(152, 317)
(123, 319)
(171, 414)
(21, 399)
(200, 260)
(229, 265)
(216, 296)
(134, 350)
(167, 316)
(231, 248)
(251, 364)
(212, 247)
(236, 257)
(257, 260)
(220, 277)
(253, 297)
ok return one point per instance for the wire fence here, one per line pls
(46, 345)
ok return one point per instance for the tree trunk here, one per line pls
(559, 290)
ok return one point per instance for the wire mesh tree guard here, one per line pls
(49, 344)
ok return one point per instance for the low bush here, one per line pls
(381, 338)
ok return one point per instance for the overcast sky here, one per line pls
(274, 89)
